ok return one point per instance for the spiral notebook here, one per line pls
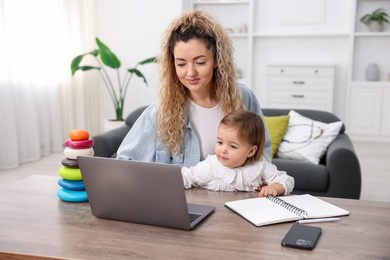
(271, 210)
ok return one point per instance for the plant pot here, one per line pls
(110, 124)
(375, 26)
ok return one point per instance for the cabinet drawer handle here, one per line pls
(298, 82)
(298, 96)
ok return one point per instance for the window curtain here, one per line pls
(39, 100)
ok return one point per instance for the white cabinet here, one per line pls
(370, 47)
(300, 86)
(366, 114)
(370, 117)
(385, 129)
(368, 109)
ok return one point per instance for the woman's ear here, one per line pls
(252, 151)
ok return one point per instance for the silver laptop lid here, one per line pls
(140, 192)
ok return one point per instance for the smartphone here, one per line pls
(302, 236)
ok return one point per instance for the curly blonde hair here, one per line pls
(173, 95)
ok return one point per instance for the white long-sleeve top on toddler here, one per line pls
(213, 175)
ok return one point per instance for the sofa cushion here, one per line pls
(307, 139)
(307, 176)
(277, 127)
(322, 116)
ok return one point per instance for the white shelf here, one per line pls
(368, 101)
(301, 64)
(239, 35)
(301, 35)
(370, 84)
(220, 2)
(371, 34)
(372, 1)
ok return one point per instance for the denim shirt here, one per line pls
(141, 142)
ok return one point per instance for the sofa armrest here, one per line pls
(106, 144)
(344, 169)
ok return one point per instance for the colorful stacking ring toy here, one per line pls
(72, 196)
(71, 185)
(70, 163)
(73, 153)
(83, 144)
(79, 135)
(71, 174)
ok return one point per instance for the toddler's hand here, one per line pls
(261, 186)
(267, 190)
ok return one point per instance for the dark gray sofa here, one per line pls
(337, 175)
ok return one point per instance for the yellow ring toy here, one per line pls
(71, 174)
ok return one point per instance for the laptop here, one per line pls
(139, 192)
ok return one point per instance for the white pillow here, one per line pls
(306, 139)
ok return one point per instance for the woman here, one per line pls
(198, 87)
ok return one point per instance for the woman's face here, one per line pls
(194, 65)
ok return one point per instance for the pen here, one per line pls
(317, 220)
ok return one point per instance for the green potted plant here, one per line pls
(104, 56)
(375, 20)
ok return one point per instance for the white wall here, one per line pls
(284, 38)
(133, 29)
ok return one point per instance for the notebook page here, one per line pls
(261, 211)
(315, 207)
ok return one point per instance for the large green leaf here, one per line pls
(107, 56)
(85, 68)
(138, 73)
(75, 65)
(149, 60)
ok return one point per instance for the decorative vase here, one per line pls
(372, 73)
(110, 124)
(375, 26)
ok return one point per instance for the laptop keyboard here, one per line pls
(193, 216)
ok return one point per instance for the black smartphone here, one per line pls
(302, 236)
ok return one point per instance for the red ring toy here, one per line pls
(84, 144)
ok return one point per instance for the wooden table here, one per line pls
(34, 223)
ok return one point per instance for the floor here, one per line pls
(374, 161)
(375, 166)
